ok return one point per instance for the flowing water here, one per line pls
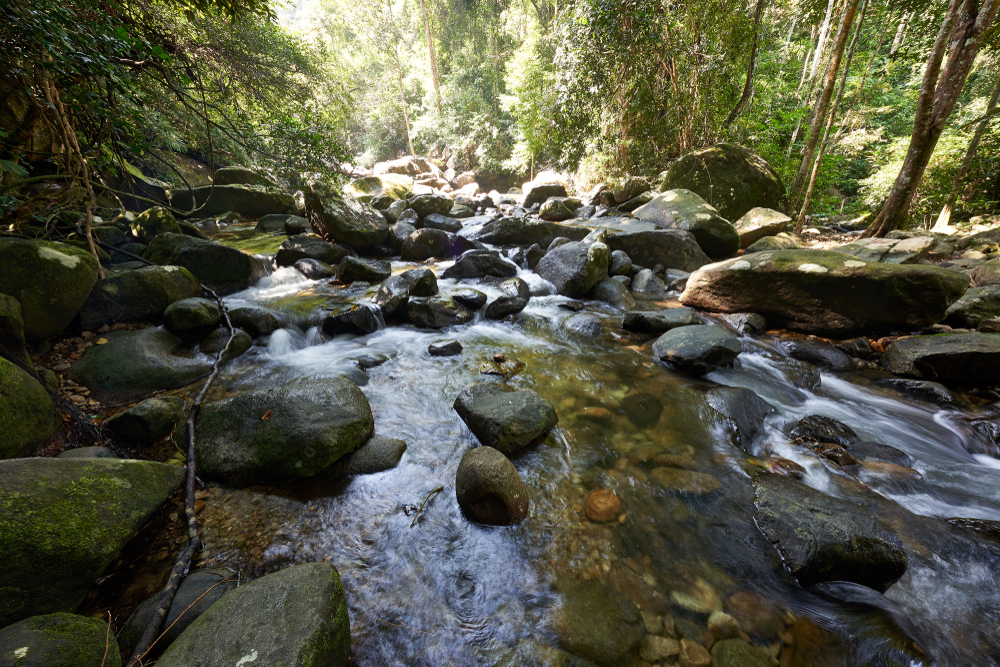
(433, 588)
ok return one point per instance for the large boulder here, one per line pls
(197, 592)
(670, 248)
(240, 176)
(250, 201)
(133, 364)
(556, 209)
(152, 222)
(505, 418)
(137, 295)
(972, 358)
(62, 521)
(306, 246)
(353, 269)
(437, 312)
(527, 232)
(976, 305)
(479, 264)
(368, 188)
(276, 222)
(731, 178)
(51, 281)
(295, 618)
(537, 192)
(697, 349)
(409, 165)
(822, 538)
(344, 218)
(576, 267)
(684, 210)
(425, 243)
(221, 268)
(59, 640)
(758, 223)
(310, 424)
(12, 343)
(148, 421)
(987, 274)
(514, 299)
(426, 205)
(826, 292)
(659, 321)
(29, 417)
(488, 488)
(599, 624)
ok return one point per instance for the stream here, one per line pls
(433, 588)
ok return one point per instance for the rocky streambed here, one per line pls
(504, 440)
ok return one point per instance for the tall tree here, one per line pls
(944, 219)
(751, 66)
(961, 34)
(430, 52)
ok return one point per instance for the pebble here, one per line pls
(597, 414)
(693, 654)
(656, 648)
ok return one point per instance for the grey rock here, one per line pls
(504, 418)
(59, 640)
(670, 248)
(191, 315)
(305, 246)
(353, 269)
(620, 263)
(684, 210)
(351, 319)
(314, 269)
(376, 455)
(514, 300)
(479, 264)
(436, 312)
(613, 293)
(599, 624)
(472, 299)
(223, 269)
(445, 348)
(697, 349)
(488, 488)
(585, 324)
(659, 321)
(438, 221)
(138, 295)
(343, 218)
(148, 421)
(972, 358)
(575, 268)
(758, 223)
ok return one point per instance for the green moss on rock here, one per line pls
(138, 295)
(59, 640)
(28, 417)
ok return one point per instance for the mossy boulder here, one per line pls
(556, 209)
(197, 592)
(134, 364)
(344, 218)
(191, 315)
(148, 421)
(436, 312)
(599, 624)
(821, 538)
(59, 640)
(971, 358)
(575, 268)
(12, 343)
(670, 248)
(62, 521)
(505, 418)
(367, 188)
(731, 178)
(311, 423)
(240, 176)
(50, 281)
(29, 417)
(685, 210)
(826, 292)
(976, 305)
(307, 246)
(275, 222)
(137, 295)
(225, 270)
(294, 618)
(250, 201)
(152, 222)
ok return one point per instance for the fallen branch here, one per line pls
(415, 516)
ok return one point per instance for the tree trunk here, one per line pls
(829, 122)
(805, 62)
(839, 44)
(961, 35)
(861, 87)
(900, 31)
(402, 99)
(430, 52)
(944, 219)
(751, 66)
(822, 39)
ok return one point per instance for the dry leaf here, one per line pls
(267, 415)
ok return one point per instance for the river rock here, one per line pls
(426, 243)
(307, 246)
(659, 321)
(148, 421)
(817, 352)
(575, 268)
(189, 599)
(730, 177)
(376, 455)
(133, 364)
(613, 293)
(137, 295)
(865, 450)
(255, 320)
(358, 320)
(251, 201)
(585, 324)
(602, 505)
(191, 315)
(758, 223)
(426, 205)
(223, 269)
(275, 222)
(746, 324)
(514, 300)
(345, 219)
(12, 343)
(59, 640)
(436, 312)
(82, 512)
(472, 299)
(684, 210)
(479, 264)
(818, 428)
(296, 225)
(648, 285)
(822, 538)
(697, 349)
(539, 192)
(29, 416)
(670, 248)
(972, 358)
(826, 292)
(621, 263)
(353, 269)
(488, 488)
(152, 222)
(296, 618)
(393, 296)
(398, 233)
(527, 232)
(312, 423)
(976, 305)
(738, 653)
(557, 209)
(313, 269)
(92, 452)
(422, 282)
(444, 348)
(444, 222)
(745, 410)
(51, 281)
(214, 343)
(780, 241)
(505, 418)
(599, 624)
(240, 176)
(987, 274)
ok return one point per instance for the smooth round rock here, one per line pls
(697, 349)
(489, 489)
(191, 315)
(445, 348)
(376, 455)
(602, 505)
(503, 417)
